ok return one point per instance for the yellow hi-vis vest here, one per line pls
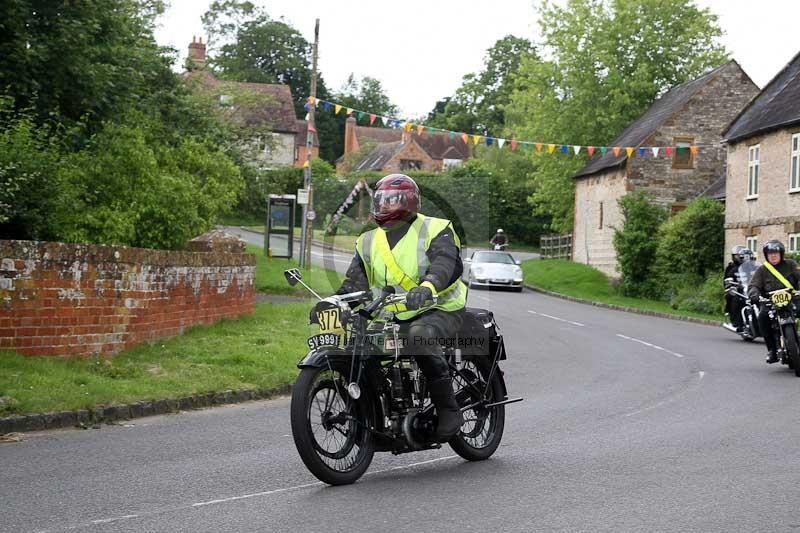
(403, 265)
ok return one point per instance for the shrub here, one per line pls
(635, 245)
(709, 299)
(691, 245)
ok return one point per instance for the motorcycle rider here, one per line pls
(733, 303)
(419, 256)
(499, 239)
(767, 278)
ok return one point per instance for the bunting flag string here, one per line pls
(421, 129)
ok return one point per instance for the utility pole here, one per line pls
(307, 232)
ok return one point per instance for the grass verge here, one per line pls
(582, 281)
(258, 351)
(270, 278)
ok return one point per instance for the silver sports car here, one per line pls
(493, 269)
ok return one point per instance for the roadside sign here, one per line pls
(311, 215)
(302, 196)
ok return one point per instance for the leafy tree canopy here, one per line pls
(605, 62)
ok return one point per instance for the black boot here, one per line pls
(447, 409)
(772, 357)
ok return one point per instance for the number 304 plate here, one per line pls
(323, 339)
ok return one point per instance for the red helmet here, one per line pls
(396, 197)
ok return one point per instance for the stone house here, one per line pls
(763, 178)
(285, 145)
(395, 150)
(693, 113)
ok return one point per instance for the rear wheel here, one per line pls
(330, 428)
(482, 429)
(790, 342)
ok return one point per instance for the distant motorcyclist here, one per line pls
(733, 303)
(775, 274)
(500, 239)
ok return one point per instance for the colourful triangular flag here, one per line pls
(539, 147)
(500, 143)
(668, 149)
(564, 148)
(551, 148)
(603, 150)
(338, 108)
(311, 127)
(349, 110)
(420, 129)
(476, 139)
(642, 151)
(451, 135)
(311, 99)
(693, 149)
(526, 145)
(654, 149)
(465, 138)
(371, 118)
(616, 151)
(590, 150)
(513, 144)
(361, 115)
(576, 149)
(489, 141)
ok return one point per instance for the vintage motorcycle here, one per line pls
(782, 308)
(358, 392)
(738, 288)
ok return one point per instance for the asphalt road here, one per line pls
(629, 423)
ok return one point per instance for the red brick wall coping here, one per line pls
(81, 299)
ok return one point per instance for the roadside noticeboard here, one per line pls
(279, 229)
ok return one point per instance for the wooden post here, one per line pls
(307, 232)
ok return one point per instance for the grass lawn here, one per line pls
(269, 276)
(583, 281)
(258, 352)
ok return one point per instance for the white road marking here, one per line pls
(701, 374)
(556, 318)
(237, 498)
(654, 346)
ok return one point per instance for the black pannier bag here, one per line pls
(479, 335)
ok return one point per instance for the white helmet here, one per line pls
(499, 230)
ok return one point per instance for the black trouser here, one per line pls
(734, 307)
(765, 325)
(424, 335)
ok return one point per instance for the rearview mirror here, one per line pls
(517, 262)
(292, 276)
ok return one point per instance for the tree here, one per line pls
(607, 60)
(479, 104)
(635, 244)
(366, 94)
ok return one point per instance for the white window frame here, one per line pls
(794, 164)
(753, 164)
(752, 244)
(794, 242)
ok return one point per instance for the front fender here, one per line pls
(321, 357)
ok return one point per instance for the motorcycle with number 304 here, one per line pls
(359, 392)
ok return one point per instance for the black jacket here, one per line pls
(764, 282)
(731, 271)
(443, 255)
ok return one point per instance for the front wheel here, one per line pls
(330, 428)
(482, 430)
(790, 343)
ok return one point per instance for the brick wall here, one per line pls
(775, 212)
(69, 299)
(411, 150)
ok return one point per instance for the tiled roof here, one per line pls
(776, 106)
(716, 190)
(435, 144)
(663, 108)
(379, 156)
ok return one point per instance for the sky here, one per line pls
(421, 49)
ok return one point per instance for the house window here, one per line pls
(752, 244)
(753, 157)
(410, 164)
(683, 157)
(794, 242)
(794, 176)
(601, 215)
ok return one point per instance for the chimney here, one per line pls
(197, 52)
(350, 140)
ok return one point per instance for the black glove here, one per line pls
(417, 297)
(754, 298)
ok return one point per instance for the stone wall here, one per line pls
(592, 244)
(412, 151)
(702, 118)
(775, 212)
(77, 299)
